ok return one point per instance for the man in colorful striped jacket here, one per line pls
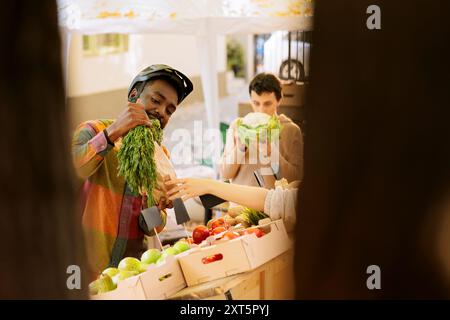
(110, 209)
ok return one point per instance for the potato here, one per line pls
(240, 219)
(235, 211)
(228, 219)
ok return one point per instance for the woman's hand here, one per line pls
(252, 197)
(188, 188)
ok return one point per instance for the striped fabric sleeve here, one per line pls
(89, 147)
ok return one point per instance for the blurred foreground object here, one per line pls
(377, 154)
(39, 231)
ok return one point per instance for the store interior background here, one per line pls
(101, 66)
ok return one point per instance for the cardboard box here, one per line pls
(157, 283)
(244, 108)
(271, 281)
(293, 94)
(237, 255)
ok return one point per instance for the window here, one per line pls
(104, 44)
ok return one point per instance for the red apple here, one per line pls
(199, 234)
(218, 230)
(220, 222)
(231, 235)
(213, 258)
(259, 233)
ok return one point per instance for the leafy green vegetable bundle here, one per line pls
(251, 216)
(257, 126)
(136, 159)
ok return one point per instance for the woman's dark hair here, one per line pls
(40, 235)
(266, 82)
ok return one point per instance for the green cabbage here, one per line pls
(257, 126)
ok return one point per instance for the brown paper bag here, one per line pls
(164, 172)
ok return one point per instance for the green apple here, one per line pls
(162, 258)
(122, 275)
(103, 284)
(110, 271)
(129, 264)
(171, 251)
(150, 256)
(181, 246)
(143, 267)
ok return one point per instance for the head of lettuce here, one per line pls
(258, 127)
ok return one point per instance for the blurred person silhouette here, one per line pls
(376, 189)
(40, 234)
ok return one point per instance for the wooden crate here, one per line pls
(272, 281)
(279, 279)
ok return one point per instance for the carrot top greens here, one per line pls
(136, 159)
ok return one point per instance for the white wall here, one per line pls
(89, 75)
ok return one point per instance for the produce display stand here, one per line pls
(271, 281)
(262, 277)
(236, 256)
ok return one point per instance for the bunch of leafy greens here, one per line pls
(252, 216)
(136, 159)
(257, 126)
